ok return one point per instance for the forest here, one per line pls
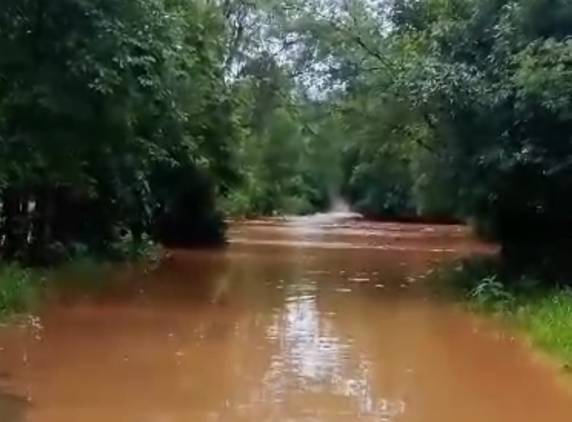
(137, 121)
(171, 173)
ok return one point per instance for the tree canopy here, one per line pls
(151, 119)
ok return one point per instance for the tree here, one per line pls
(97, 101)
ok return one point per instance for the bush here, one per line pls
(491, 293)
(129, 249)
(19, 289)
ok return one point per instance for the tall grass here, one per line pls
(547, 320)
(19, 289)
(542, 311)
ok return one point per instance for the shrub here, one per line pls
(491, 293)
(19, 289)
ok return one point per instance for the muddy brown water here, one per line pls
(311, 319)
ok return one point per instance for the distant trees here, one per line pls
(453, 107)
(131, 119)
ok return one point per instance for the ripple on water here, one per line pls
(294, 337)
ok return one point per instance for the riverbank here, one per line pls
(541, 312)
(23, 288)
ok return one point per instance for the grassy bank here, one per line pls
(541, 311)
(22, 288)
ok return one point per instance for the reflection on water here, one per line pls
(288, 324)
(312, 360)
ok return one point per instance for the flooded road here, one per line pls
(301, 320)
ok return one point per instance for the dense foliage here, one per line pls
(114, 118)
(491, 79)
(132, 120)
(450, 108)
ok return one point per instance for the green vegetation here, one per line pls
(442, 109)
(22, 288)
(455, 108)
(543, 314)
(154, 118)
(547, 319)
(19, 289)
(111, 124)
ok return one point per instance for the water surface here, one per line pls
(309, 319)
